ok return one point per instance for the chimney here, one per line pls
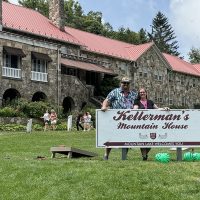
(0, 15)
(56, 13)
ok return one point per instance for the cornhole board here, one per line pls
(71, 152)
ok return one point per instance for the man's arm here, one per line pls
(105, 105)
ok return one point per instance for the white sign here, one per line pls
(29, 126)
(69, 123)
(147, 128)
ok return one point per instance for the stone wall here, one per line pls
(13, 120)
(25, 86)
(16, 120)
(72, 87)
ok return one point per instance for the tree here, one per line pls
(163, 35)
(194, 55)
(108, 83)
(74, 13)
(143, 36)
(127, 35)
(40, 5)
(93, 23)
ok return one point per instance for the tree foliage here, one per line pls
(163, 35)
(41, 6)
(108, 84)
(194, 55)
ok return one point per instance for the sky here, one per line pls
(183, 15)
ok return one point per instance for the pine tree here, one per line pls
(163, 35)
(143, 36)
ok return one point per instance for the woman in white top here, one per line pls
(87, 120)
(46, 118)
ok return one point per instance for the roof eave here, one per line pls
(108, 55)
(43, 36)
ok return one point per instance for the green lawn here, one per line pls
(24, 177)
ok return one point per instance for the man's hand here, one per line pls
(103, 108)
(105, 105)
(165, 108)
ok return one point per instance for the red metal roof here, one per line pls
(109, 46)
(86, 66)
(180, 65)
(136, 51)
(28, 20)
(197, 67)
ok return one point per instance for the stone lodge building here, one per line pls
(43, 59)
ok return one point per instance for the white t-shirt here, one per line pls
(46, 117)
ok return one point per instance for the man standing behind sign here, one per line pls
(119, 98)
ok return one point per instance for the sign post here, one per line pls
(69, 123)
(148, 128)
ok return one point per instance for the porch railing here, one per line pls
(39, 76)
(11, 72)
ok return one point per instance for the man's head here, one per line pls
(125, 83)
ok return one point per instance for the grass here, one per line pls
(23, 177)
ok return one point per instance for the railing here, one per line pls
(11, 72)
(39, 76)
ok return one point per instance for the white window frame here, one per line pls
(39, 70)
(8, 70)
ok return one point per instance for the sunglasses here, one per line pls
(125, 83)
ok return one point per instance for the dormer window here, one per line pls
(12, 61)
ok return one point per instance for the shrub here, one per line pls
(62, 126)
(37, 127)
(12, 127)
(9, 112)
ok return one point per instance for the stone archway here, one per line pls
(10, 95)
(68, 104)
(39, 96)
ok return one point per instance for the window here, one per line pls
(158, 97)
(39, 66)
(183, 101)
(12, 58)
(182, 80)
(193, 82)
(156, 75)
(12, 61)
(171, 77)
(69, 71)
(145, 74)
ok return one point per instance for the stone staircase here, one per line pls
(97, 101)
